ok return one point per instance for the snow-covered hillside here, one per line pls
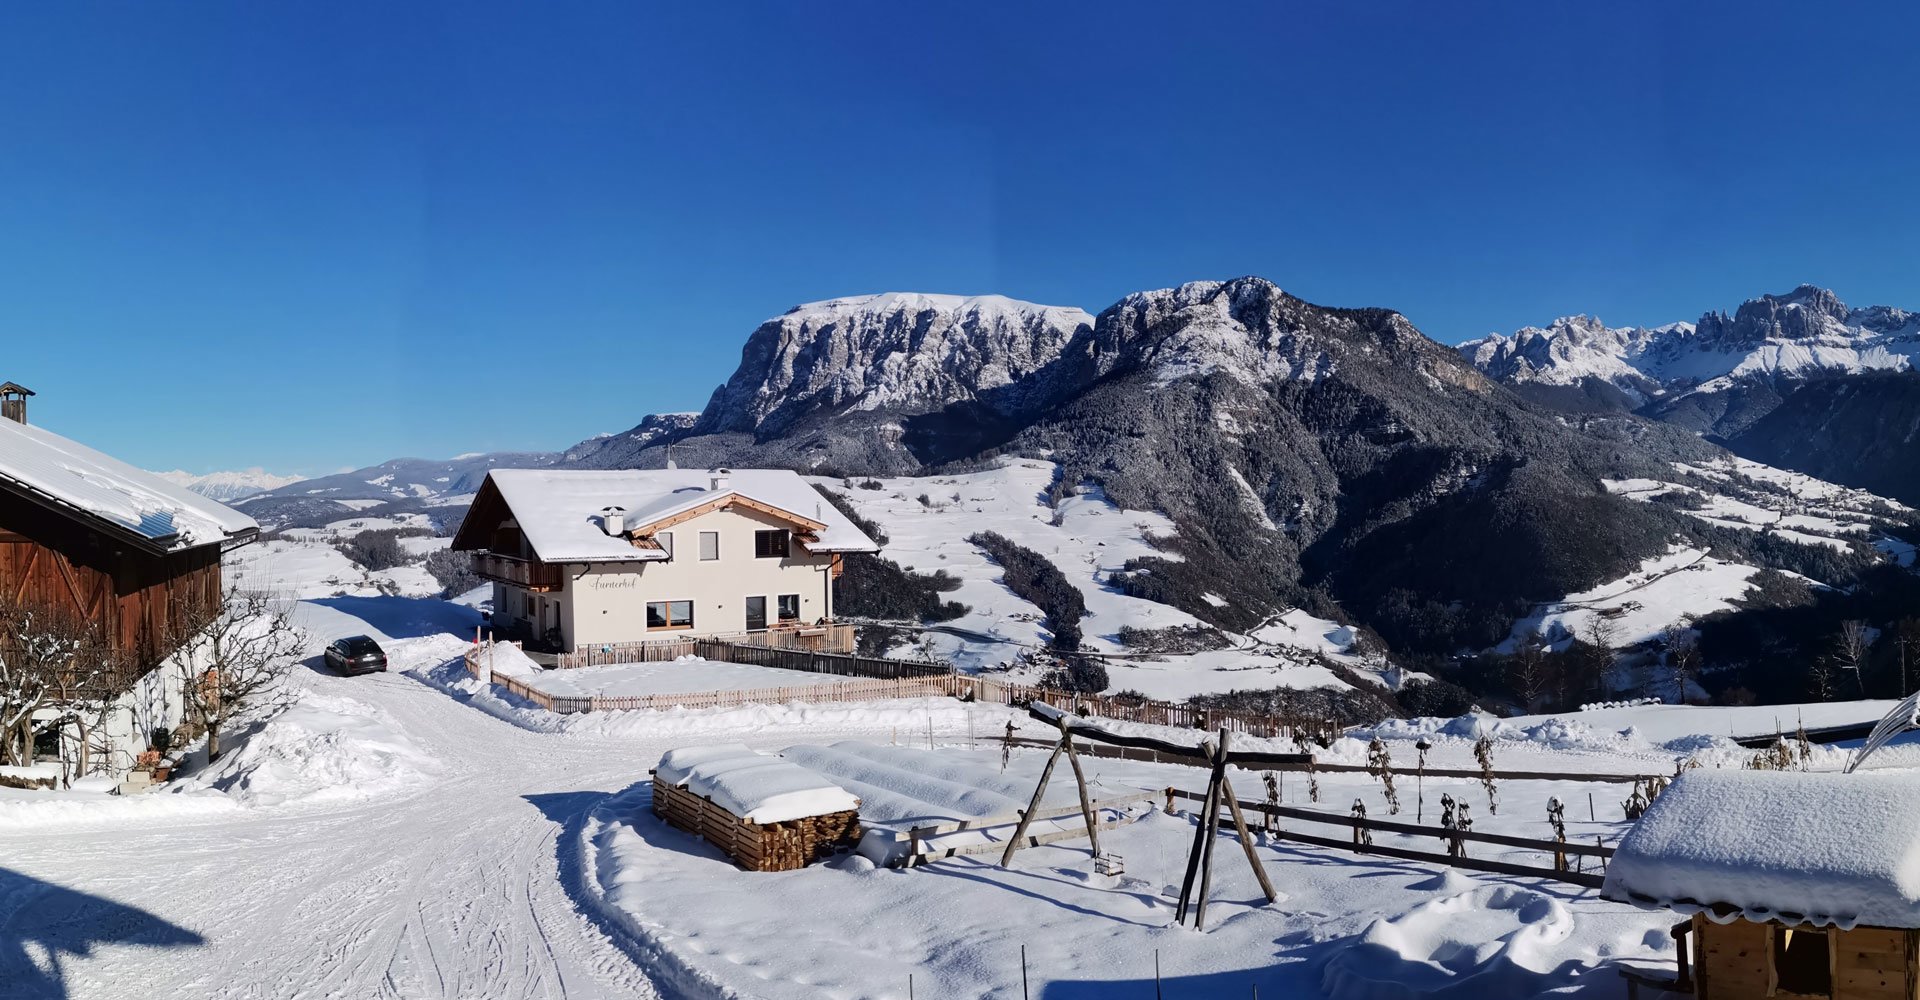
(1687, 583)
(928, 519)
(307, 563)
(227, 487)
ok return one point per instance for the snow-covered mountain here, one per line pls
(440, 489)
(1773, 339)
(229, 486)
(1774, 382)
(1574, 348)
(894, 351)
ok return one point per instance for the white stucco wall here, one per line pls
(606, 602)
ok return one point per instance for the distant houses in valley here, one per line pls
(584, 559)
(114, 561)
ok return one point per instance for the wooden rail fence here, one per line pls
(1254, 810)
(1197, 758)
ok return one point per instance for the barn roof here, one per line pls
(1819, 848)
(70, 477)
(559, 509)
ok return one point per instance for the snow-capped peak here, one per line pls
(1804, 332)
(229, 486)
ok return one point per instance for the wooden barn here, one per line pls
(1797, 885)
(91, 538)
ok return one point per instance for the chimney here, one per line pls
(613, 520)
(13, 402)
(721, 479)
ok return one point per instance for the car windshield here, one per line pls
(360, 646)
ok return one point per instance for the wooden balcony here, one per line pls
(538, 577)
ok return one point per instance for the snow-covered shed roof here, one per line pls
(69, 476)
(559, 509)
(1819, 848)
(753, 786)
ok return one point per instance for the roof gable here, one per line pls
(558, 510)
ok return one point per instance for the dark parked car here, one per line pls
(356, 654)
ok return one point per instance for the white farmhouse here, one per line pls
(586, 559)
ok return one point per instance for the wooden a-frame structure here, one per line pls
(1217, 756)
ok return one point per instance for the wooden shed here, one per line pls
(766, 813)
(1797, 885)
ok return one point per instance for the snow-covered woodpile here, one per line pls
(765, 813)
(1800, 884)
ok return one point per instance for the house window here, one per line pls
(709, 545)
(756, 613)
(665, 538)
(770, 544)
(789, 607)
(670, 614)
(1801, 962)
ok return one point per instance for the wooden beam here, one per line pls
(724, 502)
(1199, 835)
(1246, 839)
(1080, 779)
(1026, 816)
(1213, 821)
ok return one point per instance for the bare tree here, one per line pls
(1683, 658)
(1850, 650)
(1593, 655)
(1530, 671)
(237, 649)
(46, 659)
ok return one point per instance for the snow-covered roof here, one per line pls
(559, 509)
(65, 474)
(1820, 848)
(753, 786)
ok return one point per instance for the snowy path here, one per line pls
(455, 891)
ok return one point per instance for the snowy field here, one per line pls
(1087, 538)
(417, 834)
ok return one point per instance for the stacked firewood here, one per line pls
(769, 847)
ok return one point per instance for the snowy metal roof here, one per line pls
(1820, 848)
(50, 469)
(559, 509)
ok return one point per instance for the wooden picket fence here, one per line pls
(865, 689)
(886, 678)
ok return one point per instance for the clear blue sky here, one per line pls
(313, 235)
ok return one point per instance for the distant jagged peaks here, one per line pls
(1808, 331)
(905, 351)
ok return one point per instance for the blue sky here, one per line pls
(314, 235)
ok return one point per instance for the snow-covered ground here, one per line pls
(1087, 538)
(489, 849)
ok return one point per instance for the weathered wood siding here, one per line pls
(50, 561)
(1734, 961)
